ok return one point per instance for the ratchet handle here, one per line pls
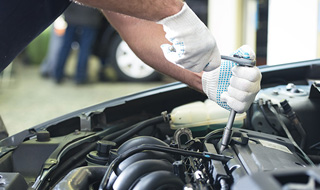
(240, 60)
(227, 133)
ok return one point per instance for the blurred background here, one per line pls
(280, 31)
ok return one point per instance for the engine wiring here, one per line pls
(284, 127)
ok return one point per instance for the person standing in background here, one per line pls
(83, 23)
(48, 65)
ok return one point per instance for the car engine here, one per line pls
(274, 145)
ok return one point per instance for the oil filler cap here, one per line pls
(101, 155)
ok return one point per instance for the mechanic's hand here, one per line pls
(193, 45)
(244, 83)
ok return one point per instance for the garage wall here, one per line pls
(292, 31)
(223, 16)
(292, 28)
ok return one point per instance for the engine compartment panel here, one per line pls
(132, 143)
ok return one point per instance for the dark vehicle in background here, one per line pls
(114, 52)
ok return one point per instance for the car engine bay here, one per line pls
(169, 138)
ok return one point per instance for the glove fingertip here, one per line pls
(247, 52)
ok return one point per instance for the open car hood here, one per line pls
(131, 142)
(21, 21)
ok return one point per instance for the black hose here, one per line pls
(273, 110)
(295, 122)
(138, 127)
(107, 174)
(217, 132)
(113, 135)
(260, 102)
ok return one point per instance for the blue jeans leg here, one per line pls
(64, 52)
(87, 38)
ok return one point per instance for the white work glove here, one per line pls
(244, 83)
(193, 45)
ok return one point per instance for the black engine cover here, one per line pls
(255, 152)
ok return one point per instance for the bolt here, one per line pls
(76, 132)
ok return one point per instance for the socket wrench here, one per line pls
(228, 129)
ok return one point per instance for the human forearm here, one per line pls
(191, 45)
(153, 10)
(145, 38)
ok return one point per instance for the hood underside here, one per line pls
(22, 21)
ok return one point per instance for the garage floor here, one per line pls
(27, 99)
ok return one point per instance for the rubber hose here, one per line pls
(138, 127)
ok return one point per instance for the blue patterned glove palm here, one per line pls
(224, 81)
(231, 86)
